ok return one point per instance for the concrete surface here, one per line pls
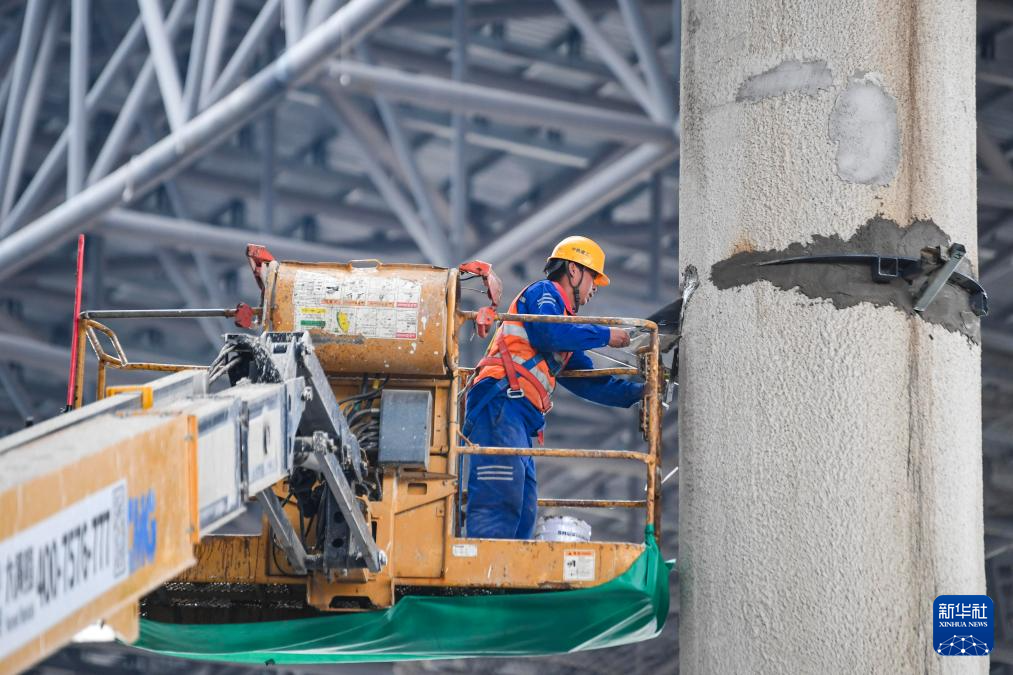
(830, 469)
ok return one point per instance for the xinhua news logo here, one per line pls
(963, 625)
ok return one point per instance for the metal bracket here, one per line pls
(282, 528)
(327, 464)
(485, 319)
(322, 411)
(939, 278)
(281, 356)
(885, 269)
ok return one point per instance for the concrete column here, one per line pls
(830, 436)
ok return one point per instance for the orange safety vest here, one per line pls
(509, 351)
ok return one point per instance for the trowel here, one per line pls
(668, 318)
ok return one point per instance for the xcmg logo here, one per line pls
(143, 530)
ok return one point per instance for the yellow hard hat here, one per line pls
(583, 251)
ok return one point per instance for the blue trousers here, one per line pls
(502, 490)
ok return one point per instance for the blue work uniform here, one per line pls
(503, 490)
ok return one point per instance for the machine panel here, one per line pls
(265, 433)
(405, 427)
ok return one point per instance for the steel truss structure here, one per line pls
(173, 132)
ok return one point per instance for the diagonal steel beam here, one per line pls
(49, 169)
(433, 245)
(340, 32)
(647, 54)
(268, 143)
(8, 47)
(425, 14)
(509, 106)
(318, 11)
(295, 199)
(532, 143)
(31, 103)
(189, 294)
(616, 62)
(401, 57)
(133, 106)
(201, 259)
(77, 120)
(183, 235)
(5, 88)
(164, 62)
(547, 191)
(369, 132)
(549, 55)
(294, 16)
(524, 143)
(31, 30)
(252, 42)
(431, 204)
(132, 113)
(586, 197)
(198, 56)
(219, 33)
(460, 186)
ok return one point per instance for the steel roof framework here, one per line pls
(436, 130)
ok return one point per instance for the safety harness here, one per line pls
(514, 372)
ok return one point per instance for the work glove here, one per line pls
(618, 337)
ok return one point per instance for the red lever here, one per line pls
(244, 316)
(258, 256)
(484, 320)
(486, 317)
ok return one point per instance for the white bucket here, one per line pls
(562, 528)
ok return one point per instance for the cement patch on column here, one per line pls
(848, 285)
(863, 123)
(807, 78)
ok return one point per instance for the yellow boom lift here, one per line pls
(340, 418)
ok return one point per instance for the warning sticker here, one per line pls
(578, 566)
(465, 551)
(370, 306)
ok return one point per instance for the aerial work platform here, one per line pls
(336, 416)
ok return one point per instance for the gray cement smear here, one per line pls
(863, 123)
(807, 78)
(847, 285)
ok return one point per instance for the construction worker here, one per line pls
(512, 388)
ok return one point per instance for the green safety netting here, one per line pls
(630, 608)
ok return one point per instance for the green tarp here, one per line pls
(630, 608)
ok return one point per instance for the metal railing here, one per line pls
(650, 368)
(88, 328)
